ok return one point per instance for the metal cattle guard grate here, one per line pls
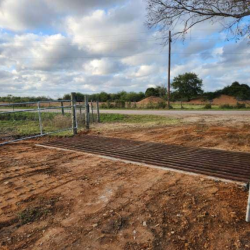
(214, 163)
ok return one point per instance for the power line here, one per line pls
(44, 43)
(123, 56)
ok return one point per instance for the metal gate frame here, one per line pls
(72, 106)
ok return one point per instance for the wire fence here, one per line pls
(27, 120)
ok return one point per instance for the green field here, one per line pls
(27, 123)
(120, 118)
(22, 124)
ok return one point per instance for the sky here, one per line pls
(50, 48)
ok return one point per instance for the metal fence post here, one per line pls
(73, 113)
(40, 118)
(98, 112)
(86, 112)
(92, 111)
(62, 108)
(248, 208)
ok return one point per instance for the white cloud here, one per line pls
(56, 47)
(119, 31)
(81, 6)
(24, 14)
(102, 67)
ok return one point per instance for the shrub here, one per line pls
(150, 105)
(119, 104)
(226, 106)
(103, 106)
(240, 105)
(161, 105)
(208, 106)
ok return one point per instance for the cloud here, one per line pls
(103, 67)
(118, 31)
(56, 47)
(24, 14)
(81, 6)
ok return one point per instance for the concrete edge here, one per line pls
(147, 165)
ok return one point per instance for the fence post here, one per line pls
(92, 111)
(62, 108)
(98, 111)
(86, 112)
(248, 208)
(40, 118)
(73, 113)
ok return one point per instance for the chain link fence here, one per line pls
(20, 121)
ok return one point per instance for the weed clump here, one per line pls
(208, 106)
(240, 105)
(226, 106)
(38, 212)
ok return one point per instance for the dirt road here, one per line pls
(175, 112)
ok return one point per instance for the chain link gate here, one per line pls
(28, 120)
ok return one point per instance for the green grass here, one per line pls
(27, 123)
(115, 118)
(42, 210)
(24, 124)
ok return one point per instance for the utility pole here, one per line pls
(169, 66)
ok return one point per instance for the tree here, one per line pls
(104, 97)
(159, 91)
(167, 14)
(151, 92)
(187, 86)
(239, 91)
(162, 91)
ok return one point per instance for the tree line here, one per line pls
(184, 88)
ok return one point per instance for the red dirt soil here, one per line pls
(151, 99)
(55, 199)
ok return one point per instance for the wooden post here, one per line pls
(248, 208)
(98, 112)
(62, 108)
(73, 113)
(86, 112)
(169, 67)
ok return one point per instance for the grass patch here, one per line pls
(120, 118)
(27, 123)
(39, 212)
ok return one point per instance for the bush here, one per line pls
(170, 107)
(150, 105)
(103, 106)
(161, 105)
(240, 105)
(208, 106)
(119, 104)
(226, 106)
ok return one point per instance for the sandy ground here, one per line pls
(65, 200)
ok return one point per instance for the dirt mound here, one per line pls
(198, 101)
(225, 99)
(151, 99)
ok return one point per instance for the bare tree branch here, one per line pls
(167, 14)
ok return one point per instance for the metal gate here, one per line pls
(28, 120)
